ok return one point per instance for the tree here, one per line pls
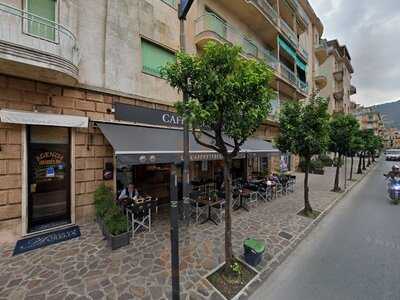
(356, 145)
(304, 131)
(368, 143)
(229, 99)
(342, 128)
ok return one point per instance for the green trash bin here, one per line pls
(253, 251)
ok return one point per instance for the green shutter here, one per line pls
(216, 24)
(155, 57)
(170, 2)
(45, 9)
(302, 65)
(286, 46)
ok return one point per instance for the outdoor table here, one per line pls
(210, 203)
(244, 194)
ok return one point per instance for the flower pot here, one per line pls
(118, 241)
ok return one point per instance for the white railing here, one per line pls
(289, 32)
(288, 74)
(267, 9)
(269, 58)
(26, 29)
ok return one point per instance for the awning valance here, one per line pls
(301, 64)
(287, 47)
(35, 118)
(137, 145)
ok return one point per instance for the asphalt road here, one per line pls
(354, 253)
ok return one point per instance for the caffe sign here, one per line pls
(49, 158)
(144, 115)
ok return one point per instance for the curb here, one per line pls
(281, 256)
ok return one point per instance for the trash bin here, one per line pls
(253, 251)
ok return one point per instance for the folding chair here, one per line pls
(197, 208)
(140, 216)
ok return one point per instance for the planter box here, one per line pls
(117, 241)
(101, 225)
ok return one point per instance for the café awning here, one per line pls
(36, 118)
(137, 145)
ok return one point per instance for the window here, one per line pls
(154, 57)
(42, 25)
(170, 2)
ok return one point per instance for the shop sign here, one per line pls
(144, 115)
(205, 156)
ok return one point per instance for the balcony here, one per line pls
(258, 15)
(338, 74)
(320, 81)
(288, 74)
(37, 48)
(290, 34)
(303, 86)
(353, 90)
(321, 51)
(338, 93)
(211, 28)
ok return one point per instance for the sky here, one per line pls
(371, 31)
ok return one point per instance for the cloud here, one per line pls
(371, 31)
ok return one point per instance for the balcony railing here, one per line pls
(303, 86)
(226, 32)
(267, 9)
(32, 31)
(289, 32)
(288, 74)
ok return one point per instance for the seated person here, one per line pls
(129, 192)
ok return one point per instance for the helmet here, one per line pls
(395, 168)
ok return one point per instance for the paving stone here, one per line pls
(87, 267)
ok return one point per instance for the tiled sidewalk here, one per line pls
(86, 269)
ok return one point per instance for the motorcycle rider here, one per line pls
(395, 172)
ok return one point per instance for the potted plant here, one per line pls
(103, 202)
(116, 226)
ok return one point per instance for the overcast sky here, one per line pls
(371, 31)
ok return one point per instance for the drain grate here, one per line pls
(285, 235)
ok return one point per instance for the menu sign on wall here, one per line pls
(144, 115)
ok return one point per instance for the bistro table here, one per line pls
(244, 194)
(210, 203)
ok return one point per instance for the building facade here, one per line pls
(335, 75)
(68, 66)
(370, 119)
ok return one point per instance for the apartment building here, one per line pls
(82, 98)
(369, 119)
(334, 76)
(391, 138)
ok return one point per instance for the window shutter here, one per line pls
(155, 57)
(45, 9)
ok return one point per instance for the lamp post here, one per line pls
(183, 9)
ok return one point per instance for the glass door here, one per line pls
(48, 177)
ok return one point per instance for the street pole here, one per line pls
(345, 172)
(185, 172)
(174, 233)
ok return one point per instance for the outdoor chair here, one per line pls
(198, 209)
(279, 190)
(235, 197)
(219, 209)
(139, 215)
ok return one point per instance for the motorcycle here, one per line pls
(394, 189)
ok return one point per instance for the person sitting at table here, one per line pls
(129, 192)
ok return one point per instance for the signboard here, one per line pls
(184, 8)
(144, 115)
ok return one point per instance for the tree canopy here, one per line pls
(343, 129)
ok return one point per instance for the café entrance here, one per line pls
(49, 157)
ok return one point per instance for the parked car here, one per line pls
(392, 154)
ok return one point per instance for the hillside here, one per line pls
(391, 113)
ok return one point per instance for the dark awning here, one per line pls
(136, 145)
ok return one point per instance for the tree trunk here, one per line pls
(307, 207)
(373, 157)
(369, 161)
(336, 187)
(363, 161)
(359, 169)
(351, 167)
(228, 212)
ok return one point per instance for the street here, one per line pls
(354, 253)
